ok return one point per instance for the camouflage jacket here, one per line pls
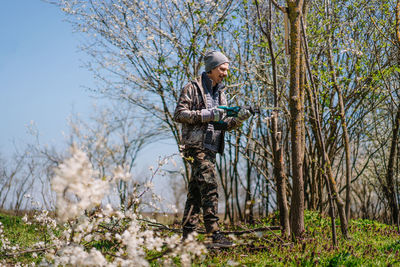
(188, 112)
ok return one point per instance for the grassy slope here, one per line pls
(371, 244)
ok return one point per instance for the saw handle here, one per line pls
(230, 111)
(233, 111)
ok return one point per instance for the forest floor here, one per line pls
(370, 243)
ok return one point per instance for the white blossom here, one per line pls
(76, 187)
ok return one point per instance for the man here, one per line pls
(203, 128)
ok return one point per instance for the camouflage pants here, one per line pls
(202, 191)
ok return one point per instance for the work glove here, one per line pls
(214, 114)
(243, 114)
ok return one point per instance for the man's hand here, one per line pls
(218, 114)
(243, 114)
(214, 114)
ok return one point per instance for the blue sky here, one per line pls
(40, 72)
(42, 78)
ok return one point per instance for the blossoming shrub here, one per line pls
(91, 234)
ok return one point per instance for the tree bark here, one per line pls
(277, 151)
(280, 176)
(296, 119)
(389, 187)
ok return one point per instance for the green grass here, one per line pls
(23, 235)
(370, 244)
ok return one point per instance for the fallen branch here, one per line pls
(261, 229)
(26, 251)
(161, 226)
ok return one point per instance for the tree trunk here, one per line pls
(346, 141)
(326, 165)
(279, 166)
(237, 177)
(296, 120)
(389, 187)
(280, 176)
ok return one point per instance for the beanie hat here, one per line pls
(213, 59)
